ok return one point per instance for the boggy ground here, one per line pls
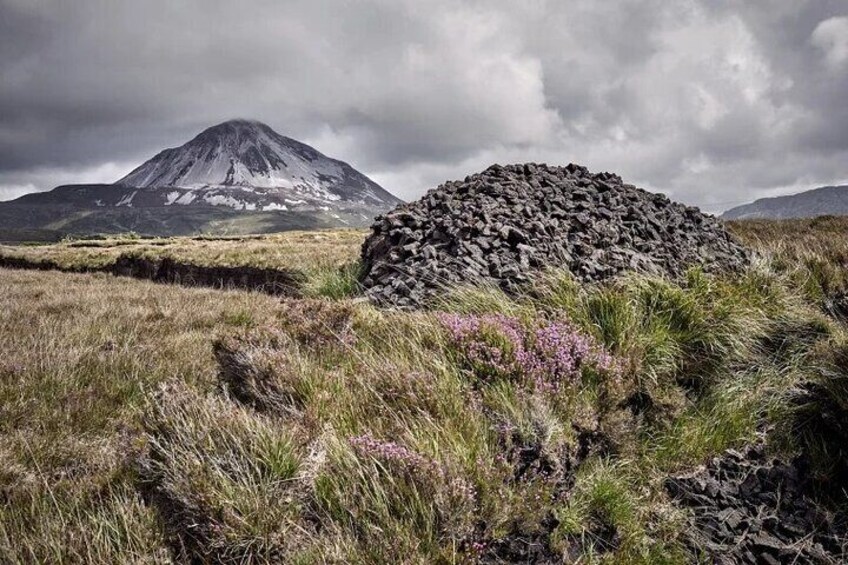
(147, 423)
(303, 249)
(296, 263)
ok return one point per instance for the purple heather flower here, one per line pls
(544, 356)
(391, 452)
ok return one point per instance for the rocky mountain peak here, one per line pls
(235, 132)
(226, 163)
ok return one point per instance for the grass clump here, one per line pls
(815, 422)
(335, 283)
(392, 503)
(51, 523)
(611, 512)
(222, 480)
(257, 375)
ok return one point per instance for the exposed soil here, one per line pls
(283, 282)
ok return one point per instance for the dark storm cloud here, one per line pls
(715, 102)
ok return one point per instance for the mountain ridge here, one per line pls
(831, 200)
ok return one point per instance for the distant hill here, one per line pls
(824, 201)
(236, 177)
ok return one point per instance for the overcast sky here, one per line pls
(714, 102)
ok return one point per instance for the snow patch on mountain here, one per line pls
(127, 199)
(186, 198)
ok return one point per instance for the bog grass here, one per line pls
(327, 256)
(79, 357)
(143, 423)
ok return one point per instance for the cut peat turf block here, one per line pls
(746, 508)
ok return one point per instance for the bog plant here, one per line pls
(547, 357)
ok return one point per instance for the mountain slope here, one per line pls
(220, 180)
(824, 201)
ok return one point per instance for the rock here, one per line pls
(767, 559)
(532, 217)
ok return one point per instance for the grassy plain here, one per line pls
(303, 250)
(143, 423)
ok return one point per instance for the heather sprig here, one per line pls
(492, 344)
(543, 356)
(558, 352)
(393, 453)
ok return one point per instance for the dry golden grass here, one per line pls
(307, 251)
(807, 240)
(813, 233)
(814, 249)
(79, 355)
(332, 248)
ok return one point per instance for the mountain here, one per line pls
(238, 176)
(247, 165)
(824, 201)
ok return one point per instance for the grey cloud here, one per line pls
(714, 102)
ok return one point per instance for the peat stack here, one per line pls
(507, 222)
